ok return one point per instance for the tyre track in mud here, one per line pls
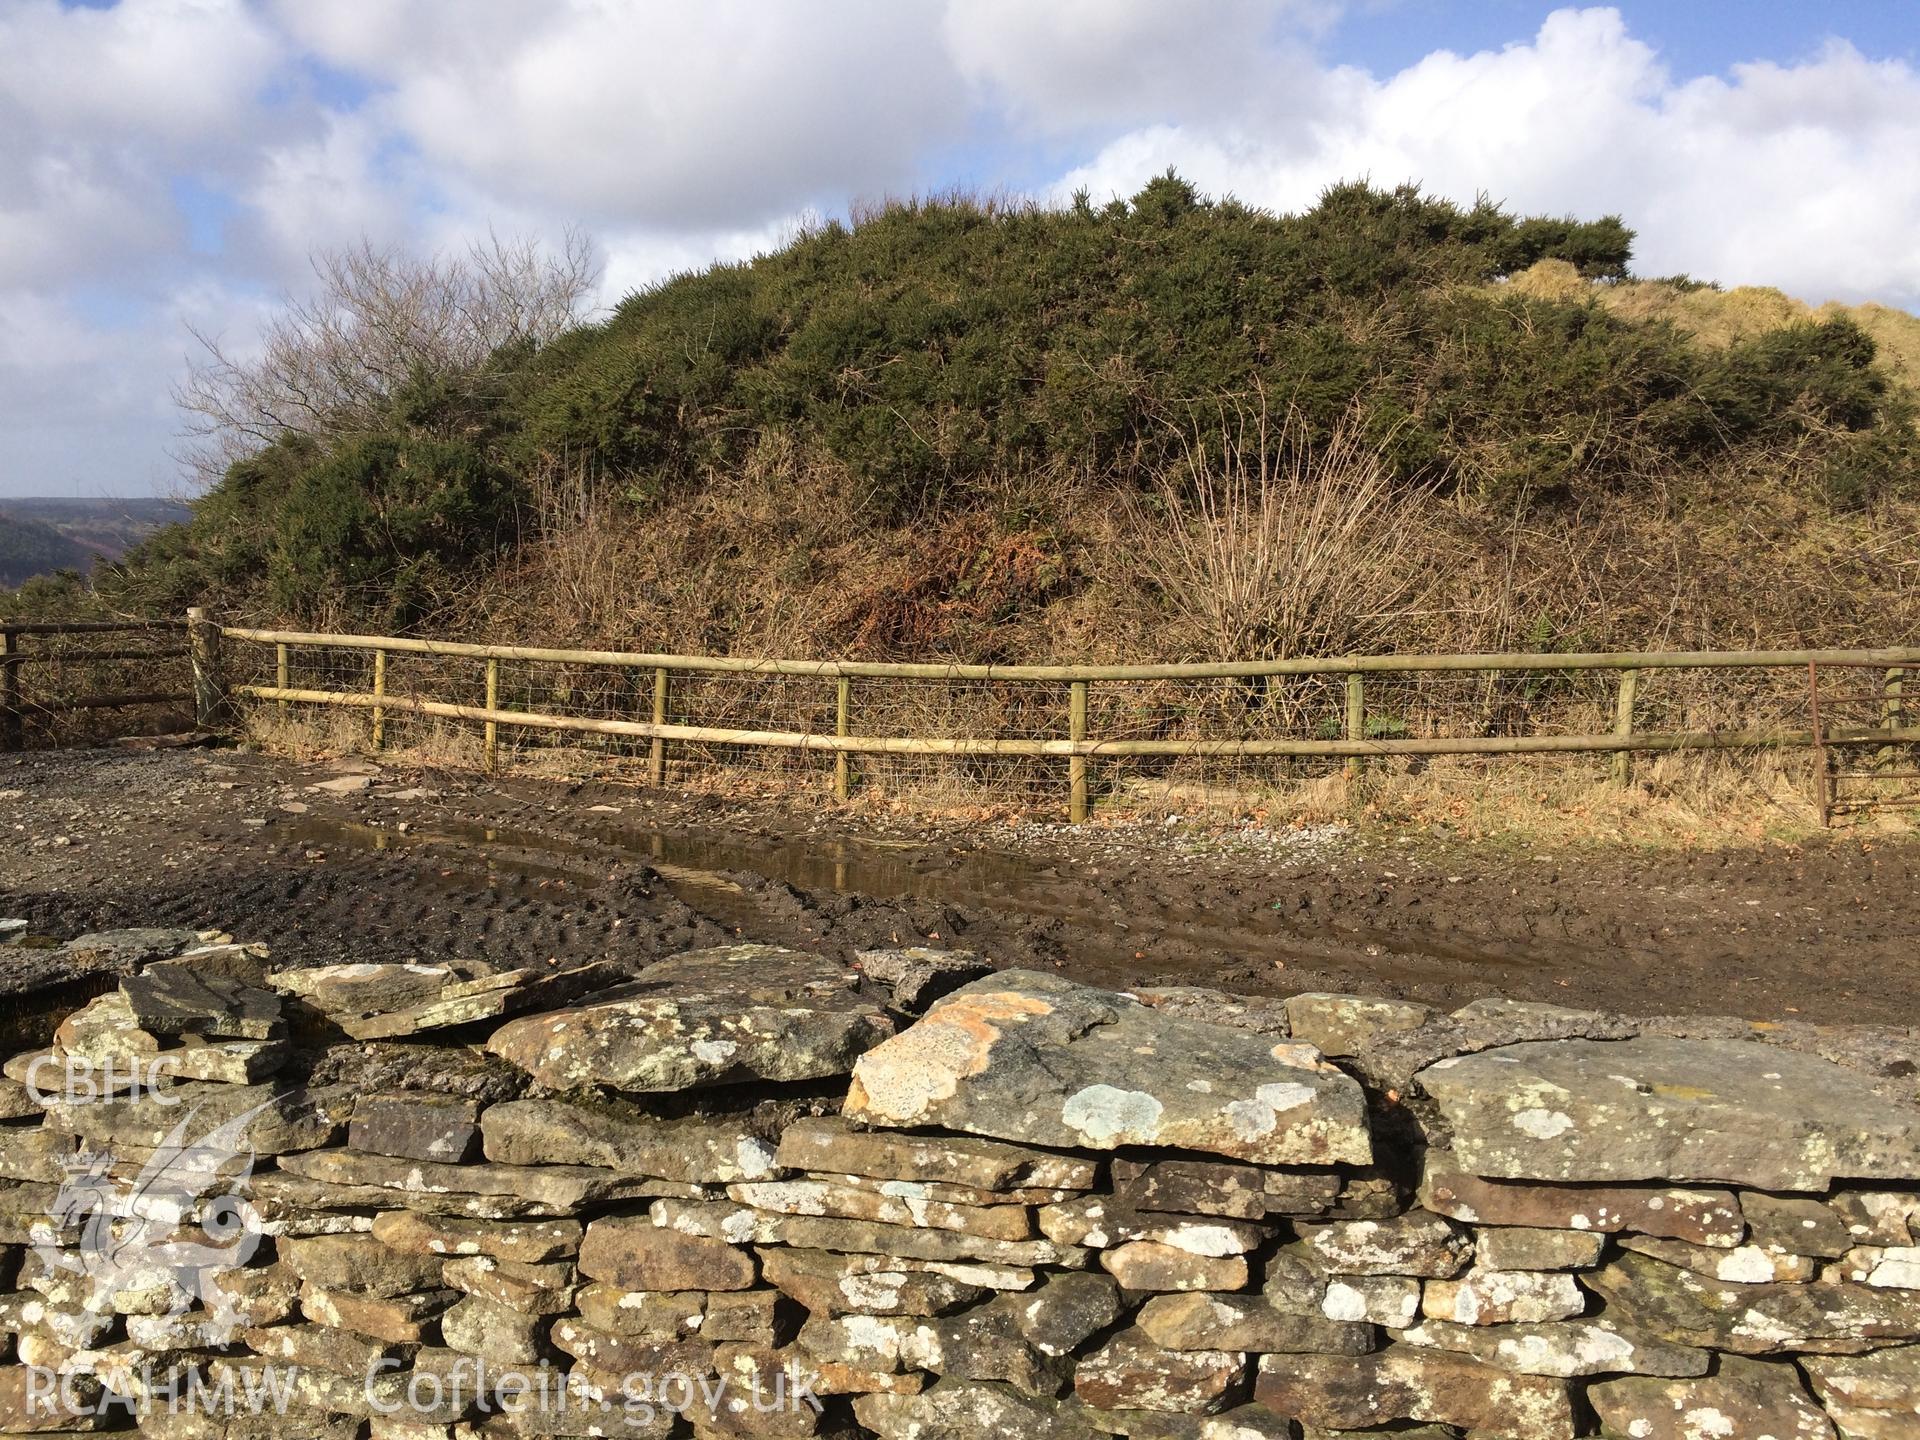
(527, 872)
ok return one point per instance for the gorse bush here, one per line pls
(931, 349)
(935, 343)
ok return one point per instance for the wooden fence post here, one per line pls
(282, 672)
(842, 714)
(1823, 782)
(1356, 718)
(493, 703)
(1893, 714)
(210, 707)
(1077, 764)
(9, 690)
(657, 752)
(1623, 725)
(379, 694)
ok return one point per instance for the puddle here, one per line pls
(471, 859)
(697, 868)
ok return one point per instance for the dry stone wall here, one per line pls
(752, 1192)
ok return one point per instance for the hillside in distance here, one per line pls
(31, 547)
(971, 430)
(41, 535)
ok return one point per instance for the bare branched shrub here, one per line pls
(1268, 545)
(377, 319)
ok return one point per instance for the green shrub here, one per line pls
(932, 348)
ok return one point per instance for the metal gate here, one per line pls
(1882, 778)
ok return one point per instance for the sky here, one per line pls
(176, 163)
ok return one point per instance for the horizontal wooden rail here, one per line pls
(91, 657)
(88, 627)
(110, 702)
(1239, 669)
(919, 745)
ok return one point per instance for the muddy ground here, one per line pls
(433, 865)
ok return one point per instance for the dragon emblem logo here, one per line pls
(169, 1232)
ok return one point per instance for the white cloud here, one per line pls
(1074, 64)
(680, 114)
(80, 410)
(324, 190)
(1803, 176)
(175, 72)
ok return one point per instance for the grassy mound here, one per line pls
(963, 429)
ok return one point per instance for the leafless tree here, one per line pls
(377, 318)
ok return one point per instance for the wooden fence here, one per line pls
(44, 676)
(1074, 743)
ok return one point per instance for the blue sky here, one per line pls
(174, 163)
(1693, 38)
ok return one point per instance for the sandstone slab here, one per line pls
(1101, 1221)
(103, 1029)
(440, 1128)
(695, 1149)
(830, 1144)
(414, 1067)
(711, 1017)
(488, 997)
(969, 1410)
(755, 1316)
(399, 1319)
(1147, 1265)
(1417, 1243)
(828, 1284)
(265, 1119)
(1350, 1024)
(1870, 1397)
(1246, 1323)
(1503, 1297)
(1526, 1248)
(1656, 1107)
(1199, 1187)
(1742, 1264)
(633, 1253)
(1035, 1058)
(531, 1288)
(494, 1332)
(1703, 1217)
(1065, 1310)
(918, 975)
(985, 1342)
(1687, 1308)
(530, 1241)
(814, 1232)
(173, 1000)
(1795, 1225)
(1343, 1392)
(617, 1356)
(1389, 1300)
(1130, 1372)
(1565, 1348)
(1879, 1217)
(361, 989)
(557, 1190)
(1741, 1397)
(819, 1197)
(360, 1263)
(321, 1348)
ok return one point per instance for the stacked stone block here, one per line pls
(752, 1192)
